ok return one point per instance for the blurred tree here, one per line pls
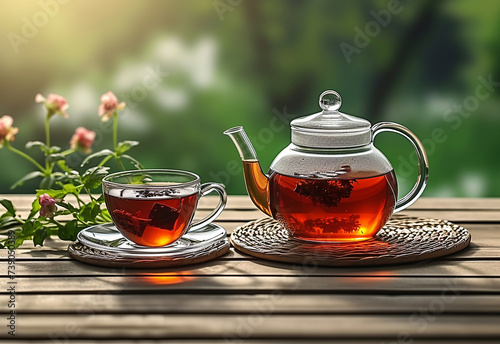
(254, 61)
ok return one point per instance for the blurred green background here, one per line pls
(188, 70)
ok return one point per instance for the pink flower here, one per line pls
(48, 204)
(83, 138)
(54, 104)
(109, 105)
(7, 131)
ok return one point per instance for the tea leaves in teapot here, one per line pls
(326, 192)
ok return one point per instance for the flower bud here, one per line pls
(7, 131)
(48, 206)
(109, 105)
(54, 104)
(83, 138)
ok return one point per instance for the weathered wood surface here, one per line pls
(238, 298)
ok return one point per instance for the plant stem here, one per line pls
(119, 162)
(47, 130)
(115, 130)
(115, 140)
(89, 193)
(57, 223)
(24, 155)
(78, 199)
(68, 151)
(105, 160)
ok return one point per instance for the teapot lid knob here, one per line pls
(330, 101)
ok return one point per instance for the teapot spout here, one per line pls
(257, 182)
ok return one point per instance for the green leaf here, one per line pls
(19, 240)
(6, 222)
(35, 208)
(43, 146)
(29, 227)
(92, 178)
(55, 194)
(29, 176)
(69, 230)
(100, 199)
(104, 152)
(9, 206)
(71, 208)
(64, 166)
(55, 157)
(136, 163)
(89, 211)
(72, 189)
(140, 179)
(47, 182)
(58, 176)
(39, 236)
(73, 175)
(104, 216)
(125, 146)
(54, 149)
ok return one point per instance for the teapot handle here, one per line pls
(423, 162)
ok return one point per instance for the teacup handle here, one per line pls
(423, 162)
(205, 190)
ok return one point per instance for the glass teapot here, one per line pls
(330, 184)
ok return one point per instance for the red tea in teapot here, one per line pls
(335, 209)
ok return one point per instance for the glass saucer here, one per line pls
(107, 238)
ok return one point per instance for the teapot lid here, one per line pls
(330, 128)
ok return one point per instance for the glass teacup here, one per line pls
(156, 207)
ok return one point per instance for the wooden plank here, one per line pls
(474, 252)
(456, 203)
(254, 326)
(478, 268)
(165, 282)
(276, 303)
(485, 243)
(457, 216)
(279, 341)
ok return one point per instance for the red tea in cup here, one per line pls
(156, 207)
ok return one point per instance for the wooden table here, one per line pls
(238, 298)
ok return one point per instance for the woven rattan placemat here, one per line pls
(94, 256)
(402, 240)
